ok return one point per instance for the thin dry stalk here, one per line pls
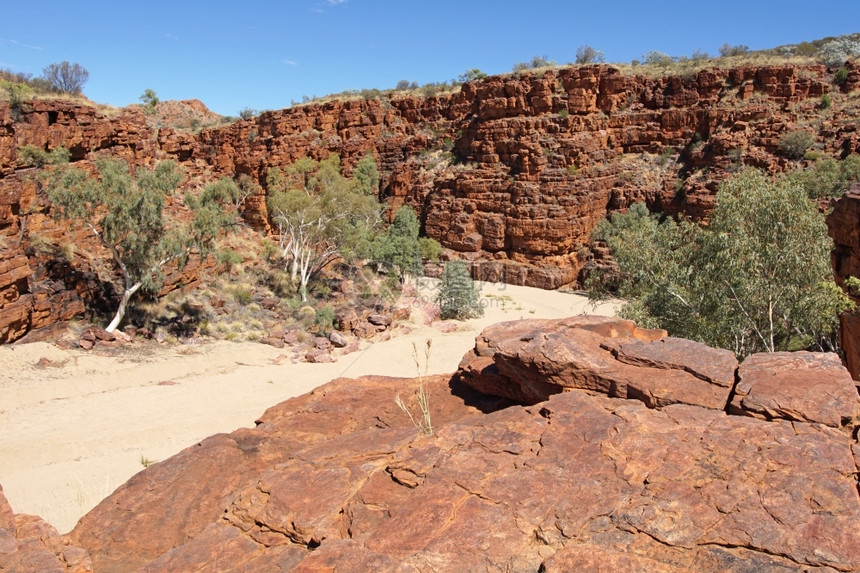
(422, 396)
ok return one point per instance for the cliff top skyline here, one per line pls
(265, 55)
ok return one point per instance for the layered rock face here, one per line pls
(633, 452)
(843, 225)
(511, 172)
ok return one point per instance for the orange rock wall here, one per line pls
(512, 172)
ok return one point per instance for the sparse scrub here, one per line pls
(656, 58)
(588, 55)
(795, 144)
(32, 156)
(828, 177)
(150, 101)
(472, 75)
(727, 50)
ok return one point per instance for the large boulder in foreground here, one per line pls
(529, 360)
(585, 480)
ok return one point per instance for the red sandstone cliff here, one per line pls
(512, 172)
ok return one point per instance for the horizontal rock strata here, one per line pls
(511, 173)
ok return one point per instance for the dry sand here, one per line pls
(73, 431)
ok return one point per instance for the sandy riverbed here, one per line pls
(74, 430)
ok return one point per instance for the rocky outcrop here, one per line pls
(28, 544)
(529, 360)
(339, 479)
(843, 225)
(511, 173)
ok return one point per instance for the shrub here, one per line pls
(150, 101)
(841, 76)
(836, 51)
(826, 102)
(588, 55)
(324, 319)
(247, 113)
(430, 249)
(656, 58)
(472, 75)
(18, 93)
(402, 85)
(458, 294)
(32, 156)
(828, 177)
(66, 77)
(727, 50)
(795, 144)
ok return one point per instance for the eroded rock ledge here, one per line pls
(627, 456)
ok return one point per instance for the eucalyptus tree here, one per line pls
(125, 211)
(756, 278)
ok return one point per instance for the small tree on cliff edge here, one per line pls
(458, 294)
(127, 216)
(66, 77)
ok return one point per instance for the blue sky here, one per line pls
(265, 54)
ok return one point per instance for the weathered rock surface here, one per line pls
(340, 480)
(802, 386)
(843, 225)
(511, 173)
(28, 544)
(529, 360)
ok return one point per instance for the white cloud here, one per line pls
(336, 2)
(290, 62)
(17, 43)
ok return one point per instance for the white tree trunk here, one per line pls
(123, 305)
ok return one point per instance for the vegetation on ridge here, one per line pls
(756, 278)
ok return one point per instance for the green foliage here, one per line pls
(150, 101)
(588, 55)
(472, 75)
(826, 101)
(126, 214)
(841, 76)
(247, 113)
(398, 247)
(430, 249)
(66, 77)
(228, 259)
(366, 176)
(795, 143)
(324, 319)
(757, 278)
(320, 215)
(18, 93)
(656, 58)
(458, 296)
(32, 156)
(828, 177)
